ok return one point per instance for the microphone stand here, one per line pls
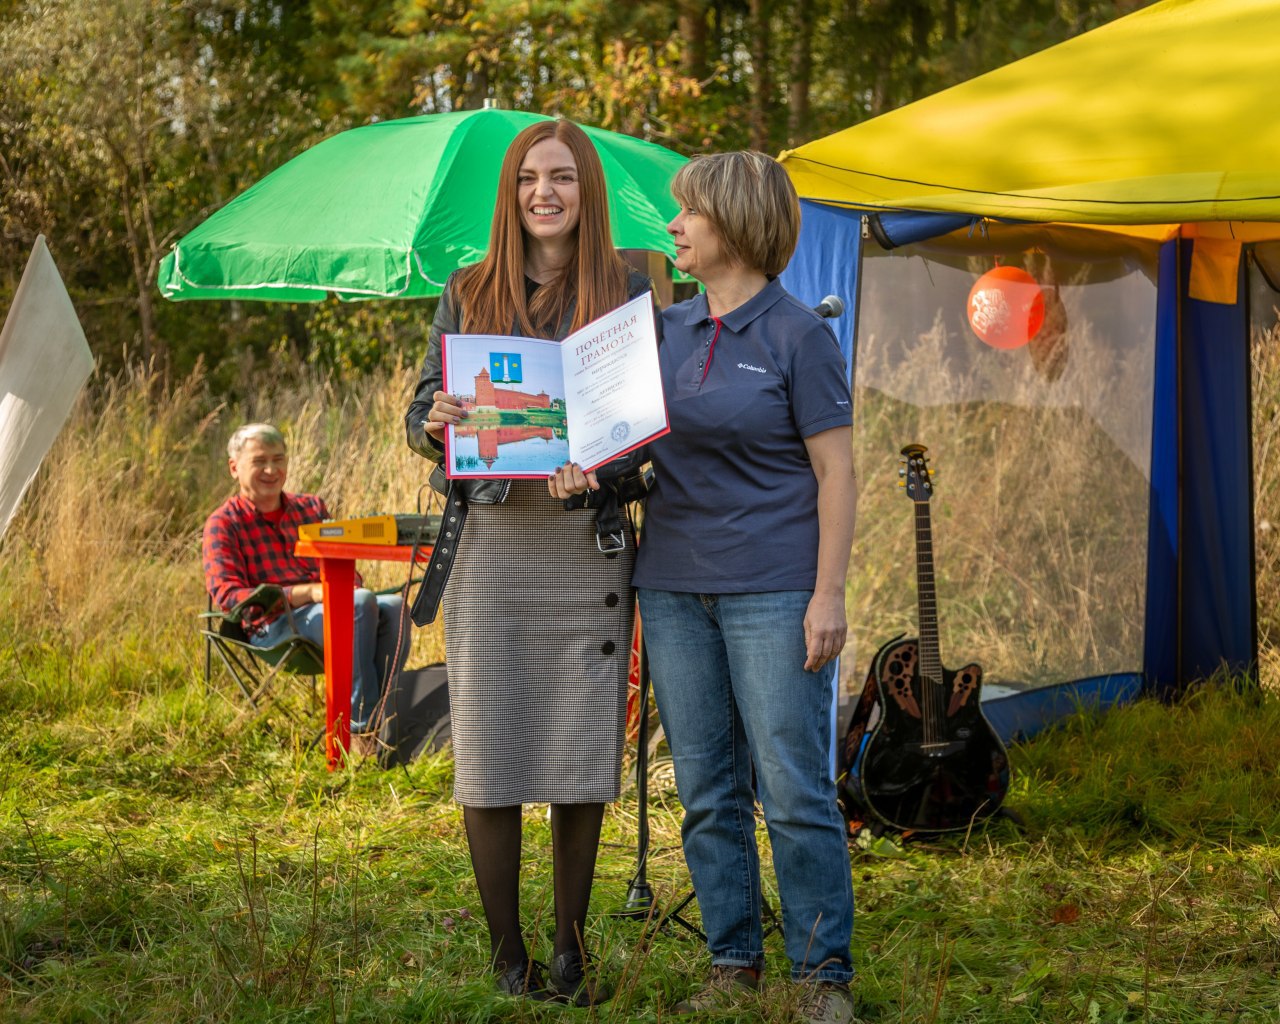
(640, 902)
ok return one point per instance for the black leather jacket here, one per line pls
(431, 380)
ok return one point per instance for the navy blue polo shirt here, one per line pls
(734, 506)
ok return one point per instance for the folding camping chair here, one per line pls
(256, 669)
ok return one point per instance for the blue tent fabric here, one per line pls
(1161, 635)
(1219, 617)
(892, 230)
(826, 262)
(1019, 716)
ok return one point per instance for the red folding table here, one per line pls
(338, 575)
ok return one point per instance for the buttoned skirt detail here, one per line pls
(538, 628)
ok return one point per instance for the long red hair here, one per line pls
(491, 293)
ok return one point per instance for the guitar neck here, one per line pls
(927, 597)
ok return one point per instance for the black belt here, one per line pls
(427, 604)
(611, 535)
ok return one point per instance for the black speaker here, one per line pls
(415, 716)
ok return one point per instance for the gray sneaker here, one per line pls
(827, 1002)
(724, 987)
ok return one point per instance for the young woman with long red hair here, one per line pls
(538, 611)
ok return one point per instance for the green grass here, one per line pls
(162, 859)
(165, 857)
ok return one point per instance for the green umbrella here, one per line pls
(388, 210)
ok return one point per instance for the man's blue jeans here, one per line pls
(728, 675)
(377, 627)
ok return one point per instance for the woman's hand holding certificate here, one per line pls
(444, 409)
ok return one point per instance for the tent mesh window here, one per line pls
(1041, 455)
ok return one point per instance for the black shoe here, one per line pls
(525, 981)
(578, 983)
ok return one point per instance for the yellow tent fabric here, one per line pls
(1166, 116)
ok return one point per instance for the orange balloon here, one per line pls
(1006, 307)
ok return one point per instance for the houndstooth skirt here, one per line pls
(537, 640)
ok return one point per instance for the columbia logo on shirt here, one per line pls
(753, 369)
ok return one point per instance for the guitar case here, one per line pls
(862, 724)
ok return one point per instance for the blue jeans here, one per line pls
(377, 627)
(728, 675)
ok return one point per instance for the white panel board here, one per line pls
(44, 362)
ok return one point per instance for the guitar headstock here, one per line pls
(916, 476)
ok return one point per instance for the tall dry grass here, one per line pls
(104, 555)
(1266, 496)
(1040, 514)
(1040, 508)
(1039, 521)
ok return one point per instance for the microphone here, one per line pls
(830, 307)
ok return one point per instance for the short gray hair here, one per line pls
(263, 432)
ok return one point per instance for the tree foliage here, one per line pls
(123, 123)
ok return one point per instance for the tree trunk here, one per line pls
(691, 26)
(152, 354)
(801, 72)
(921, 27)
(476, 90)
(762, 93)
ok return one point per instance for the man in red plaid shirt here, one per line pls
(249, 541)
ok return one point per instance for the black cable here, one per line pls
(377, 718)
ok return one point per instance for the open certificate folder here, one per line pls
(533, 405)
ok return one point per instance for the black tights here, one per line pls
(493, 836)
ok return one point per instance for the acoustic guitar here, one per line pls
(925, 757)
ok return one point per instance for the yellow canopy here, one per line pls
(1166, 116)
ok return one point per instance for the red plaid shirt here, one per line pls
(243, 549)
